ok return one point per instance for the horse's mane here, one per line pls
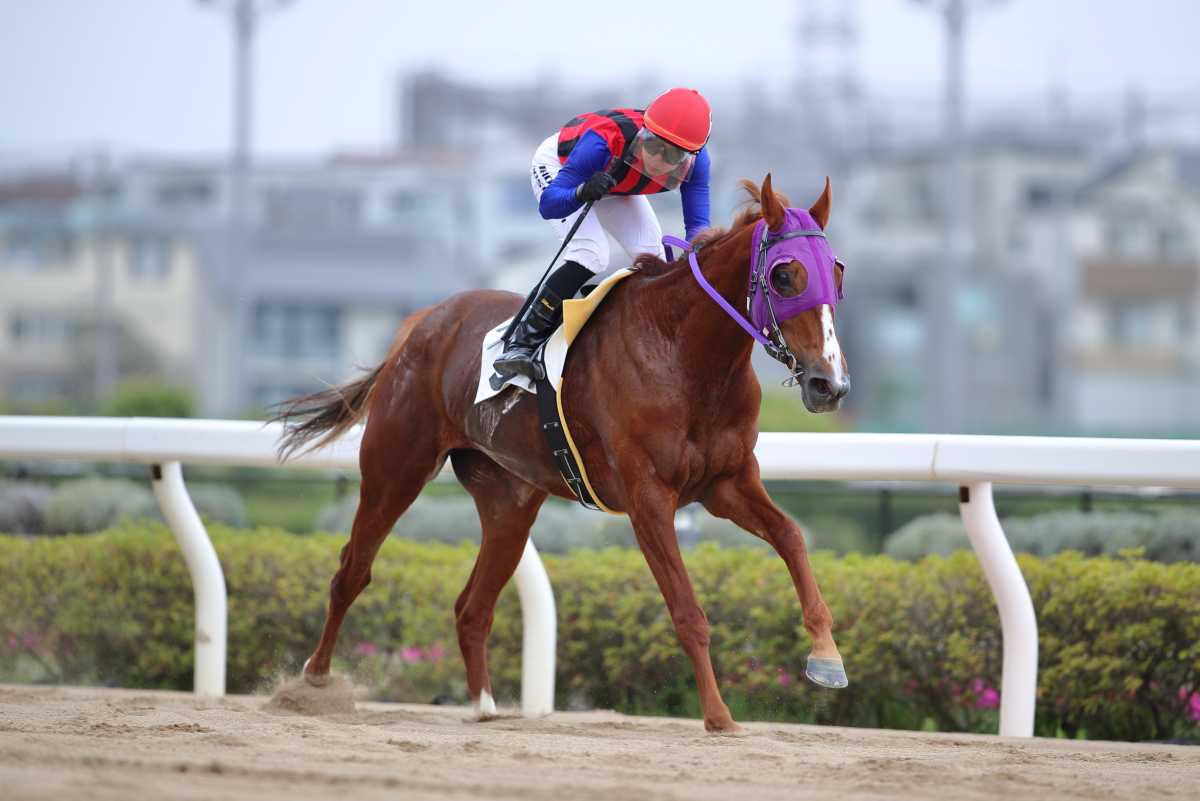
(750, 213)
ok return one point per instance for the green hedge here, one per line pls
(1168, 535)
(1120, 637)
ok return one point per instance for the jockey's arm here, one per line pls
(590, 154)
(694, 192)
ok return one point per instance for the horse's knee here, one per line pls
(347, 583)
(473, 625)
(692, 628)
(461, 603)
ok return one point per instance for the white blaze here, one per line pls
(831, 351)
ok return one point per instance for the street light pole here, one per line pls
(948, 348)
(244, 15)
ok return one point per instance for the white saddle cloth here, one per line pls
(575, 313)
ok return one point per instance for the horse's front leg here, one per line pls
(743, 499)
(652, 513)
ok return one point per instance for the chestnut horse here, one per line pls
(662, 403)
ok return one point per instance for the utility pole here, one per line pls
(829, 89)
(244, 15)
(106, 367)
(948, 375)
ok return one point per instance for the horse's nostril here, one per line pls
(820, 387)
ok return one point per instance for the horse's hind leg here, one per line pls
(389, 486)
(507, 508)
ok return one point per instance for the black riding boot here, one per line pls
(540, 320)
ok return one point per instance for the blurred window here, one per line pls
(296, 331)
(38, 387)
(516, 196)
(412, 206)
(312, 208)
(1038, 195)
(266, 395)
(151, 260)
(42, 328)
(36, 249)
(1130, 323)
(899, 331)
(1173, 244)
(1185, 319)
(185, 193)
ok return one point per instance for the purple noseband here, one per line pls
(800, 239)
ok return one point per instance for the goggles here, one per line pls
(659, 160)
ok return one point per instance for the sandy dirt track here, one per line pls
(66, 743)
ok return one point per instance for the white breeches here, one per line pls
(629, 218)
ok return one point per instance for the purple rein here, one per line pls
(668, 241)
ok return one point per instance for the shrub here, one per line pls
(23, 507)
(93, 504)
(560, 527)
(219, 503)
(1169, 536)
(1119, 637)
(148, 397)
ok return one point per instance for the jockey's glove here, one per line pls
(595, 187)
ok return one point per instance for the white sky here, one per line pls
(155, 75)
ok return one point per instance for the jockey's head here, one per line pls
(677, 124)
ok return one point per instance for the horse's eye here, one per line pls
(782, 280)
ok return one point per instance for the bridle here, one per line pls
(763, 322)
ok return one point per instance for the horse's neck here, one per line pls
(703, 332)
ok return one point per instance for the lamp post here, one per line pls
(947, 407)
(244, 15)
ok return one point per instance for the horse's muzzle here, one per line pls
(823, 394)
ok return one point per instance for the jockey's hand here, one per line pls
(595, 187)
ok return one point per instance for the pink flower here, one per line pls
(412, 654)
(366, 649)
(1194, 708)
(784, 677)
(435, 652)
(988, 699)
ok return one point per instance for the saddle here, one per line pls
(552, 355)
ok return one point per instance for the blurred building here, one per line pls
(1135, 339)
(1014, 304)
(87, 295)
(1078, 305)
(337, 253)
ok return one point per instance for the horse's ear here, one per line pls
(820, 209)
(772, 209)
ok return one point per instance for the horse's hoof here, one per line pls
(826, 673)
(314, 679)
(726, 728)
(485, 707)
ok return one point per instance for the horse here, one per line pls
(662, 402)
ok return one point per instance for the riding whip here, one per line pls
(533, 294)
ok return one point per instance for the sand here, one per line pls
(60, 743)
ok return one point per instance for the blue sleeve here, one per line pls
(590, 154)
(695, 197)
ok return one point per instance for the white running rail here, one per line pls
(972, 463)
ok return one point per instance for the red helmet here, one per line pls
(682, 117)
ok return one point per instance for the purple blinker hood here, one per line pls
(798, 239)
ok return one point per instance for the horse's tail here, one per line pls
(326, 415)
(323, 416)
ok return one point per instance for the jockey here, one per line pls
(620, 155)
